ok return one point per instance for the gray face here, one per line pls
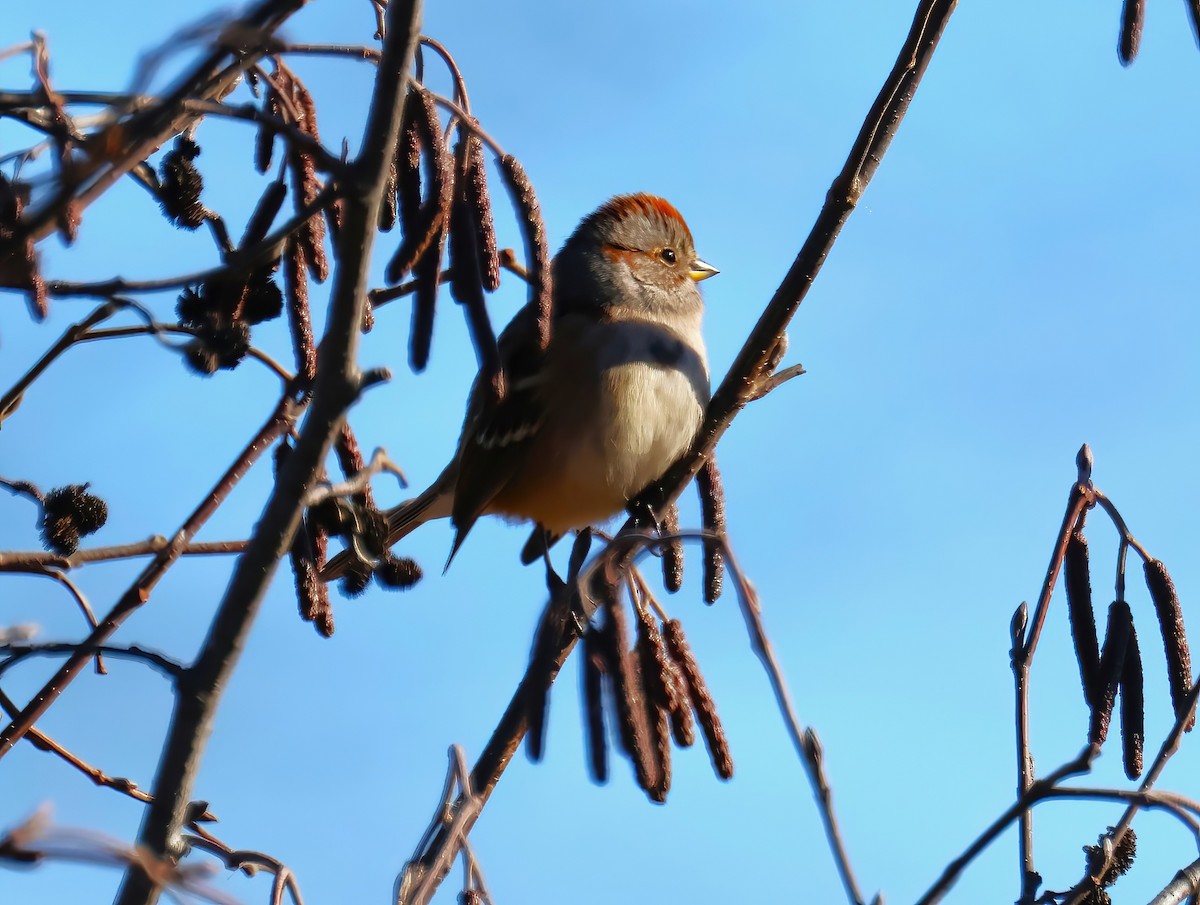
(635, 251)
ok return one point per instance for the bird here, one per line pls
(617, 396)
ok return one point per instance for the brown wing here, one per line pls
(496, 435)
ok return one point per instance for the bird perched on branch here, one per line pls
(606, 408)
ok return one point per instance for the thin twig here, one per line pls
(156, 329)
(380, 462)
(77, 596)
(35, 559)
(10, 399)
(246, 859)
(43, 742)
(14, 653)
(241, 262)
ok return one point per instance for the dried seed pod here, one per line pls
(1112, 665)
(217, 346)
(592, 665)
(181, 185)
(1123, 855)
(664, 678)
(652, 658)
(351, 461)
(660, 739)
(262, 299)
(579, 552)
(537, 247)
(466, 280)
(264, 142)
(19, 268)
(69, 513)
(303, 167)
(356, 579)
(622, 669)
(664, 681)
(398, 572)
(408, 161)
(264, 214)
(387, 206)
(1133, 710)
(71, 213)
(191, 308)
(712, 514)
(541, 671)
(1078, 583)
(426, 277)
(1133, 17)
(295, 282)
(672, 550)
(312, 594)
(480, 200)
(1175, 644)
(430, 221)
(37, 297)
(702, 702)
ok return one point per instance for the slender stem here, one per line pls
(240, 262)
(10, 399)
(15, 653)
(157, 329)
(37, 559)
(1022, 659)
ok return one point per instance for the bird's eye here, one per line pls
(667, 255)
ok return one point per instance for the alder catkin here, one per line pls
(1078, 582)
(1175, 644)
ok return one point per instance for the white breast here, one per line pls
(654, 412)
(655, 389)
(601, 444)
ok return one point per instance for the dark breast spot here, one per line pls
(666, 350)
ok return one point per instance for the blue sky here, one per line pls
(1018, 279)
